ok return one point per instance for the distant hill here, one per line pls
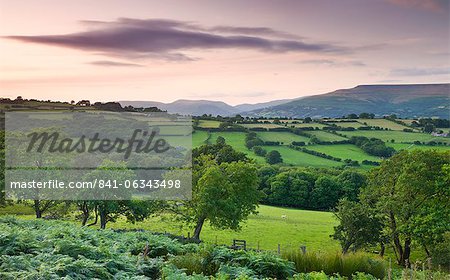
(416, 100)
(200, 107)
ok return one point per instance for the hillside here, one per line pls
(421, 100)
(200, 107)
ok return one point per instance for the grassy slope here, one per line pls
(401, 146)
(285, 137)
(298, 158)
(209, 124)
(383, 123)
(398, 136)
(302, 227)
(344, 151)
(198, 138)
(326, 136)
(237, 140)
(310, 228)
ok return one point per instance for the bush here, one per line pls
(336, 263)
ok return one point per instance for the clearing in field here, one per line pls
(285, 137)
(298, 158)
(237, 141)
(199, 137)
(208, 124)
(326, 136)
(301, 227)
(410, 147)
(383, 123)
(260, 125)
(398, 136)
(344, 151)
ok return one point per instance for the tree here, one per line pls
(259, 151)
(325, 193)
(307, 120)
(274, 157)
(351, 182)
(219, 152)
(428, 128)
(224, 194)
(220, 140)
(411, 196)
(366, 116)
(358, 226)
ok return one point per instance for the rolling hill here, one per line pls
(416, 100)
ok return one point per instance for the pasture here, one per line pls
(326, 136)
(344, 151)
(268, 228)
(404, 146)
(298, 158)
(285, 138)
(208, 124)
(383, 123)
(260, 125)
(397, 136)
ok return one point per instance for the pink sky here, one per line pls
(233, 51)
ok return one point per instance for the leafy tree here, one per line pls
(219, 152)
(351, 182)
(428, 128)
(411, 196)
(223, 194)
(307, 120)
(366, 116)
(259, 151)
(325, 194)
(358, 226)
(274, 157)
(220, 140)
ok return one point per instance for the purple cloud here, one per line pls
(168, 39)
(108, 63)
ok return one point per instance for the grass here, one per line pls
(383, 123)
(263, 125)
(347, 124)
(326, 136)
(312, 124)
(298, 158)
(398, 136)
(285, 137)
(209, 124)
(402, 146)
(237, 141)
(301, 227)
(344, 151)
(199, 137)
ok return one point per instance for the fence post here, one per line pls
(303, 249)
(279, 249)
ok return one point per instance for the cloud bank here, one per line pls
(168, 39)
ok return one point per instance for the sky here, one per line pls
(236, 51)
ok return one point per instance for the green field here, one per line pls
(344, 151)
(298, 158)
(312, 124)
(301, 227)
(259, 125)
(199, 137)
(398, 136)
(326, 136)
(285, 137)
(208, 124)
(402, 146)
(383, 123)
(237, 140)
(347, 124)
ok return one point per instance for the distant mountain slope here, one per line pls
(188, 107)
(417, 100)
(200, 107)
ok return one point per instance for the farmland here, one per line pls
(397, 136)
(386, 130)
